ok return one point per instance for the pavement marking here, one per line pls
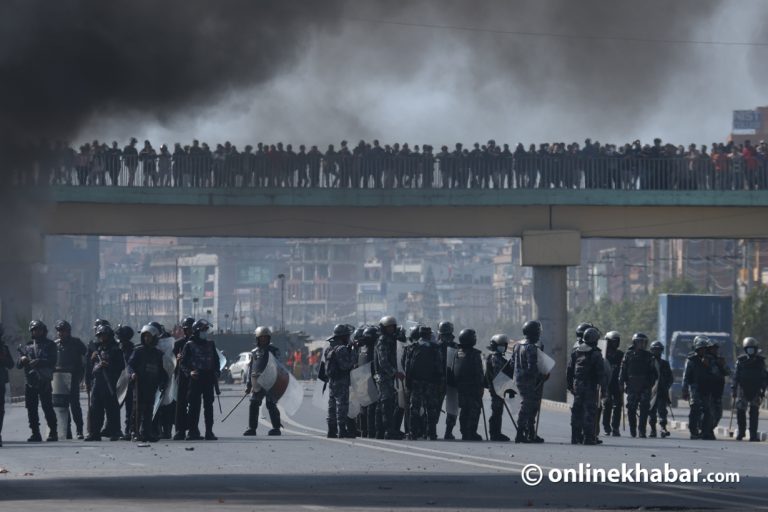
(672, 490)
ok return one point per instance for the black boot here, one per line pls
(333, 431)
(753, 419)
(450, 422)
(250, 432)
(632, 426)
(35, 437)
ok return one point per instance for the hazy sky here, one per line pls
(612, 71)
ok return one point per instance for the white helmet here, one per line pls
(151, 329)
(386, 321)
(262, 331)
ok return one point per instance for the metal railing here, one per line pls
(420, 171)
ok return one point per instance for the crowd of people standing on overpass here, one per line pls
(591, 165)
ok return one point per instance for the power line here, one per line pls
(559, 35)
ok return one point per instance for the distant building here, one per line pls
(198, 293)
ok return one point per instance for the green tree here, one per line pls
(751, 317)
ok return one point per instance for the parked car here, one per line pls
(239, 367)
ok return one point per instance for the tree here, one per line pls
(751, 317)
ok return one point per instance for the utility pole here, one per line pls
(281, 277)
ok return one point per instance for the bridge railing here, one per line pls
(421, 172)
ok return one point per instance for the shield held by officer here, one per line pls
(362, 386)
(62, 384)
(276, 380)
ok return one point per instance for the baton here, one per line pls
(485, 424)
(510, 414)
(233, 409)
(218, 394)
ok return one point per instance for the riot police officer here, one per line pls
(580, 330)
(105, 364)
(466, 373)
(264, 348)
(445, 339)
(495, 363)
(529, 381)
(584, 375)
(145, 369)
(660, 399)
(423, 376)
(182, 381)
(365, 350)
(200, 363)
(638, 375)
(339, 361)
(70, 359)
(697, 389)
(614, 398)
(719, 371)
(124, 336)
(6, 363)
(748, 388)
(385, 366)
(38, 359)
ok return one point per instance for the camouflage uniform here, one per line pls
(423, 374)
(258, 396)
(529, 383)
(385, 365)
(339, 361)
(697, 378)
(467, 374)
(585, 373)
(749, 382)
(660, 396)
(614, 399)
(495, 363)
(638, 375)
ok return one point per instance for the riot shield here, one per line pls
(451, 401)
(362, 386)
(62, 385)
(122, 386)
(319, 397)
(544, 363)
(165, 345)
(280, 385)
(451, 393)
(400, 385)
(502, 382)
(354, 407)
(222, 360)
(602, 344)
(158, 402)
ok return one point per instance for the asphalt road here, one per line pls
(303, 470)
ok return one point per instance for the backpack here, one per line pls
(421, 364)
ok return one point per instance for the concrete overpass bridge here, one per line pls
(550, 222)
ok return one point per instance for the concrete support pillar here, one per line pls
(550, 297)
(550, 253)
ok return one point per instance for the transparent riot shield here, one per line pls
(279, 383)
(362, 386)
(122, 386)
(62, 385)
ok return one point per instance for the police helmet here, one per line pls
(582, 328)
(613, 338)
(591, 336)
(151, 329)
(498, 340)
(445, 328)
(713, 343)
(386, 321)
(157, 325)
(62, 325)
(124, 332)
(413, 333)
(100, 321)
(200, 325)
(748, 342)
(188, 322)
(370, 333)
(104, 330)
(341, 330)
(657, 346)
(532, 329)
(38, 324)
(639, 339)
(262, 331)
(468, 337)
(425, 332)
(700, 342)
(358, 334)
